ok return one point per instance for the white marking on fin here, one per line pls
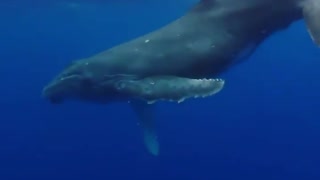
(147, 122)
(151, 102)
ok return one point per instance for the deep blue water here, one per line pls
(265, 123)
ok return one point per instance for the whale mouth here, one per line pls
(60, 88)
(51, 94)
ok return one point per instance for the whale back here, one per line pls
(251, 17)
(268, 15)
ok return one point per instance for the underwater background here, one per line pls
(264, 125)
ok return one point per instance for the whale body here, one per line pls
(181, 60)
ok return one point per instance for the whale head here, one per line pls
(79, 81)
(72, 82)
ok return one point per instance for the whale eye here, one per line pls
(120, 85)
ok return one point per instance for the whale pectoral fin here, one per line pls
(311, 13)
(169, 88)
(147, 122)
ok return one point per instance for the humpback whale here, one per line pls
(180, 60)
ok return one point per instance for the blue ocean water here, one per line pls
(263, 125)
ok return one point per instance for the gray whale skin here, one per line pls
(180, 60)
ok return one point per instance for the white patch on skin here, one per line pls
(147, 40)
(151, 102)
